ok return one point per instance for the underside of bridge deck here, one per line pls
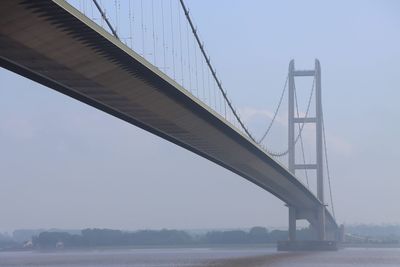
(53, 44)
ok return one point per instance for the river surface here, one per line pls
(203, 257)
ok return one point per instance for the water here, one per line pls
(203, 257)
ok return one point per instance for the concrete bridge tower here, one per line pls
(319, 227)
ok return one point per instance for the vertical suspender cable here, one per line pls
(209, 89)
(301, 137)
(163, 35)
(181, 47)
(327, 167)
(202, 76)
(116, 15)
(172, 38)
(195, 69)
(92, 11)
(154, 37)
(130, 23)
(188, 51)
(142, 24)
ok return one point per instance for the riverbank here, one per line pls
(268, 246)
(203, 257)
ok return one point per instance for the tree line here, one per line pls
(109, 237)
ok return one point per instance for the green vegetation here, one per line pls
(6, 241)
(108, 238)
(42, 239)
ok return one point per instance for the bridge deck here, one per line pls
(54, 44)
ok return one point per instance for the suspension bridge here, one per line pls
(145, 63)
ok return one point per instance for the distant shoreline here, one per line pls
(188, 246)
(255, 237)
(370, 245)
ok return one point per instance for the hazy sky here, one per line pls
(67, 165)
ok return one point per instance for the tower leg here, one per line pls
(319, 152)
(321, 224)
(292, 223)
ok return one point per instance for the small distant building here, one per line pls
(27, 244)
(59, 245)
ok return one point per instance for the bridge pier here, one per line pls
(321, 240)
(321, 231)
(292, 223)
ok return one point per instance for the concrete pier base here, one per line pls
(307, 246)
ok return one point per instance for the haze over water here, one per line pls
(203, 257)
(67, 165)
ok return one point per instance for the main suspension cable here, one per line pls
(103, 15)
(281, 154)
(217, 81)
(275, 113)
(213, 72)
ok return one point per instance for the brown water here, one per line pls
(204, 257)
(343, 258)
